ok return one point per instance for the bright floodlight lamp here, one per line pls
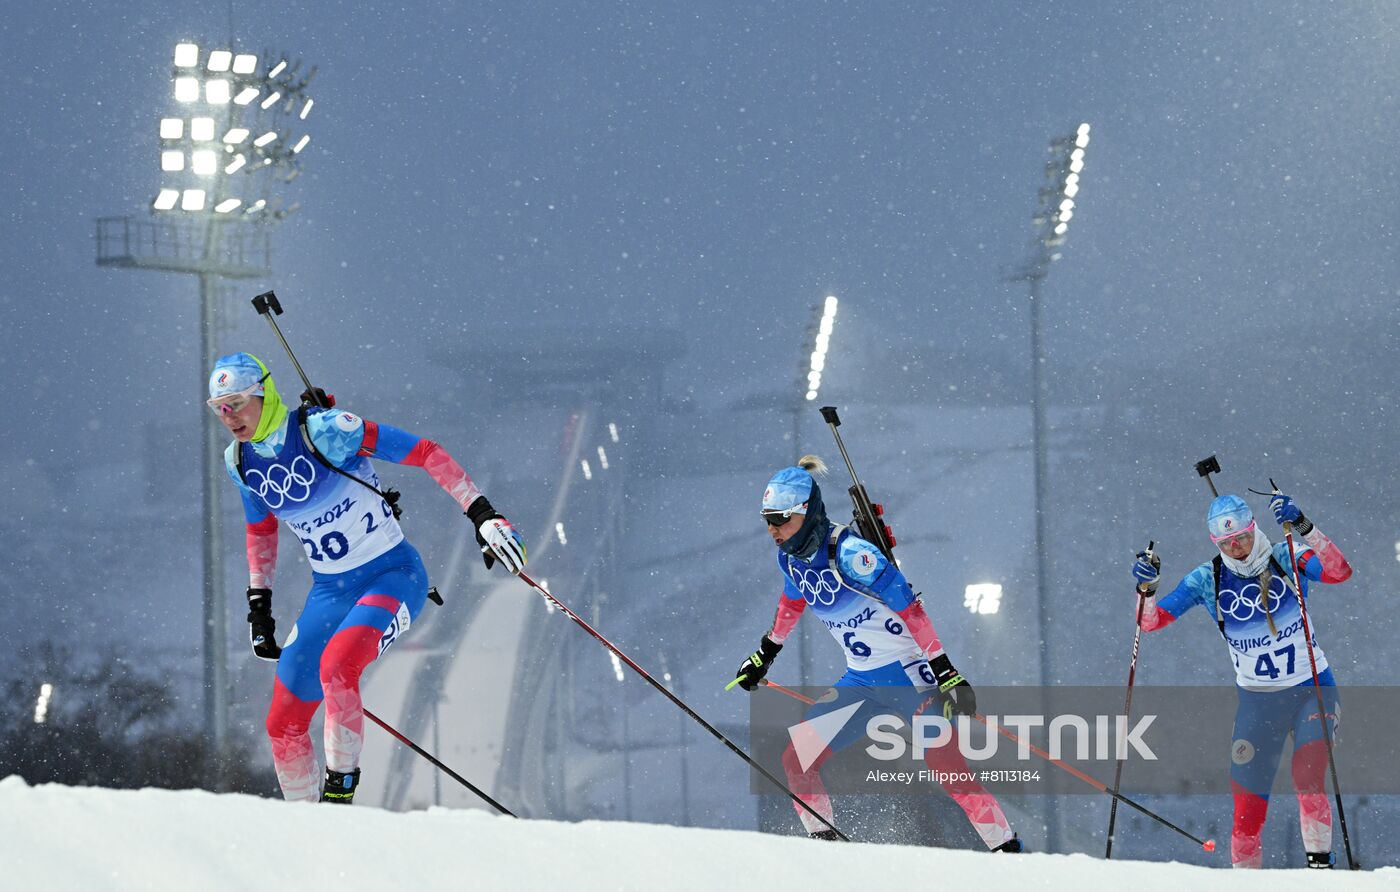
(172, 128)
(201, 129)
(172, 161)
(220, 60)
(820, 345)
(245, 63)
(271, 100)
(236, 135)
(166, 199)
(217, 91)
(246, 95)
(982, 598)
(41, 703)
(186, 55)
(186, 89)
(228, 204)
(204, 163)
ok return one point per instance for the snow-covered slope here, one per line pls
(85, 838)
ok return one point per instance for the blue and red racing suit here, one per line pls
(869, 608)
(368, 582)
(1274, 677)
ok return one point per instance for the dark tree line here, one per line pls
(111, 722)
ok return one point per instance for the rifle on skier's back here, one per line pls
(868, 517)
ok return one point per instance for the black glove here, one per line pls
(262, 628)
(752, 670)
(315, 396)
(958, 697)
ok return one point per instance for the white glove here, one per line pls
(501, 542)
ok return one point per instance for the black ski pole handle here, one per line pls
(830, 417)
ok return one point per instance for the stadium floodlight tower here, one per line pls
(225, 147)
(1055, 209)
(809, 385)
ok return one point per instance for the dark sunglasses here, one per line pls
(776, 518)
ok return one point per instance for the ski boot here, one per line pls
(340, 786)
(1321, 860)
(824, 834)
(1011, 847)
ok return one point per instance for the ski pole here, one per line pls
(1207, 844)
(562, 608)
(1127, 714)
(789, 691)
(429, 756)
(1317, 686)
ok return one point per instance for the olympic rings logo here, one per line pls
(1242, 606)
(280, 484)
(816, 586)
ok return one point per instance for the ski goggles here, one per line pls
(1223, 541)
(778, 518)
(233, 403)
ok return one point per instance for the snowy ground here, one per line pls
(86, 838)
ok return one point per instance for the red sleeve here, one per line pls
(1153, 616)
(789, 612)
(444, 470)
(921, 627)
(1335, 567)
(262, 552)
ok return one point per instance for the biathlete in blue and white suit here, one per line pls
(1248, 590)
(368, 582)
(894, 659)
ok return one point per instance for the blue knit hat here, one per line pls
(1228, 516)
(788, 491)
(237, 372)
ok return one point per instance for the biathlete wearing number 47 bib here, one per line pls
(1256, 608)
(369, 584)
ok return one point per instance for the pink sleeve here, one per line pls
(444, 470)
(1153, 617)
(789, 611)
(1334, 564)
(262, 552)
(921, 627)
